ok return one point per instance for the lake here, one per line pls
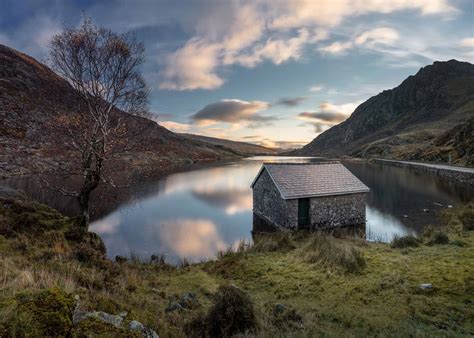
(195, 214)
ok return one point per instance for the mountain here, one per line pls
(33, 99)
(243, 148)
(429, 116)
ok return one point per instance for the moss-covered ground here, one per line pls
(333, 286)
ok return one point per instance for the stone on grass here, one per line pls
(188, 300)
(114, 320)
(136, 326)
(426, 286)
(279, 308)
(174, 307)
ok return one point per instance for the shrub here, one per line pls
(23, 216)
(439, 237)
(46, 313)
(461, 218)
(84, 253)
(327, 250)
(408, 241)
(232, 313)
(460, 243)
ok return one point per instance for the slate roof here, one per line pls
(301, 180)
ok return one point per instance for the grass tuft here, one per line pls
(282, 242)
(408, 241)
(335, 253)
(439, 237)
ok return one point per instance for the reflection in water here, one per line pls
(196, 238)
(194, 214)
(262, 226)
(232, 201)
(383, 227)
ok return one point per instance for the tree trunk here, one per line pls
(91, 182)
(83, 198)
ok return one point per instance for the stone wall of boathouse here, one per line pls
(337, 211)
(268, 204)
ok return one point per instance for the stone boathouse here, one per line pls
(308, 196)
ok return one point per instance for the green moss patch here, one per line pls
(43, 313)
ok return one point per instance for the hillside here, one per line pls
(429, 116)
(33, 98)
(239, 147)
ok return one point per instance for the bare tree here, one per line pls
(103, 67)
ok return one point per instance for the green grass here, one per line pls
(329, 286)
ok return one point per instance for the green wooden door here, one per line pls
(303, 213)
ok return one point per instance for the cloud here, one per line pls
(33, 35)
(247, 33)
(336, 47)
(381, 35)
(316, 88)
(278, 50)
(296, 13)
(371, 39)
(345, 108)
(319, 127)
(292, 101)
(175, 126)
(324, 116)
(192, 67)
(468, 43)
(327, 116)
(231, 111)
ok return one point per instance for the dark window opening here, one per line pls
(303, 213)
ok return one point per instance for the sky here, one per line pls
(272, 72)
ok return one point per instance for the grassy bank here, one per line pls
(286, 284)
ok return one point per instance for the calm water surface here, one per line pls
(195, 214)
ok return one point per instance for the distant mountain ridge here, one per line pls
(243, 148)
(429, 116)
(30, 93)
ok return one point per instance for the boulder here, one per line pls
(136, 326)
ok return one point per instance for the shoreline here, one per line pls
(459, 174)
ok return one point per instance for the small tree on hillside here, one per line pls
(104, 69)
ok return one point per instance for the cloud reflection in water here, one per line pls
(231, 201)
(192, 238)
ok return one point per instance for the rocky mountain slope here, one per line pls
(240, 147)
(429, 116)
(31, 93)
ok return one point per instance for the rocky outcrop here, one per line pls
(117, 321)
(405, 122)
